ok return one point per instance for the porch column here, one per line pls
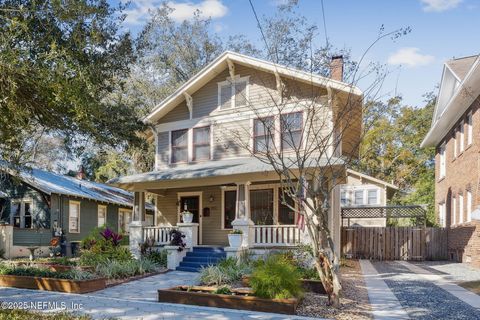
(136, 226)
(242, 220)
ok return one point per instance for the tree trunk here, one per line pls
(330, 280)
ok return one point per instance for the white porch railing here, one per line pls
(276, 235)
(161, 235)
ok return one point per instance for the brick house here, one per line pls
(455, 126)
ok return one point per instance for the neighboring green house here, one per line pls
(36, 205)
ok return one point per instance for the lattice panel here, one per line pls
(389, 212)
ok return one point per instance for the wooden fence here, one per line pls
(394, 243)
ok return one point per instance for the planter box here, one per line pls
(315, 286)
(240, 302)
(52, 284)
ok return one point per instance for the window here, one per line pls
(460, 208)
(180, 146)
(455, 143)
(263, 134)
(462, 136)
(74, 217)
(291, 128)
(102, 216)
(343, 198)
(441, 216)
(469, 206)
(469, 129)
(442, 161)
(124, 219)
(286, 215)
(372, 197)
(454, 211)
(358, 197)
(201, 143)
(229, 208)
(236, 90)
(261, 206)
(21, 212)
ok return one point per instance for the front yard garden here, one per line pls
(103, 262)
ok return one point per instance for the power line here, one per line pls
(261, 31)
(324, 25)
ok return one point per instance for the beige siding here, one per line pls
(212, 232)
(163, 149)
(178, 113)
(356, 181)
(230, 139)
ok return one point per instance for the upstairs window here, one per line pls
(372, 197)
(291, 127)
(179, 146)
(358, 197)
(469, 129)
(442, 161)
(201, 143)
(232, 94)
(462, 136)
(263, 134)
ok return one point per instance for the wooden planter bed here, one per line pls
(204, 296)
(52, 284)
(314, 286)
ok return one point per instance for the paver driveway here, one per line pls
(403, 290)
(134, 300)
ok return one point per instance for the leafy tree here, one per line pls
(59, 62)
(391, 150)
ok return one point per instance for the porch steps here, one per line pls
(201, 257)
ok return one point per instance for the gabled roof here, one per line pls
(370, 178)
(449, 110)
(53, 183)
(220, 63)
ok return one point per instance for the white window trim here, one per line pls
(469, 206)
(442, 214)
(455, 144)
(469, 128)
(350, 194)
(125, 211)
(22, 203)
(231, 82)
(70, 202)
(100, 206)
(454, 211)
(443, 164)
(462, 136)
(190, 145)
(460, 208)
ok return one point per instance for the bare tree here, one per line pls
(309, 134)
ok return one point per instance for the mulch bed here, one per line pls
(354, 301)
(116, 282)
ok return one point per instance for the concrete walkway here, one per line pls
(133, 300)
(402, 290)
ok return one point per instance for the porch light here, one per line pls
(211, 199)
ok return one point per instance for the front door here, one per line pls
(192, 204)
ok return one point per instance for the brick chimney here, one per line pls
(336, 68)
(81, 173)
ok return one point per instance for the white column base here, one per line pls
(190, 230)
(235, 252)
(245, 225)
(136, 237)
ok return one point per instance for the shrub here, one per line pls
(276, 278)
(227, 271)
(35, 271)
(223, 290)
(114, 269)
(159, 257)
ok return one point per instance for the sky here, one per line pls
(441, 30)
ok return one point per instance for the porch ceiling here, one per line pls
(206, 173)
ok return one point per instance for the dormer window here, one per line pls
(233, 93)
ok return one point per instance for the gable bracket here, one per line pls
(231, 69)
(189, 100)
(280, 86)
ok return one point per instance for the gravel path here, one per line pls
(423, 299)
(456, 272)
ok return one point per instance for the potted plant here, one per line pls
(235, 238)
(187, 216)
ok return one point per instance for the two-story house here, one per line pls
(203, 132)
(454, 134)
